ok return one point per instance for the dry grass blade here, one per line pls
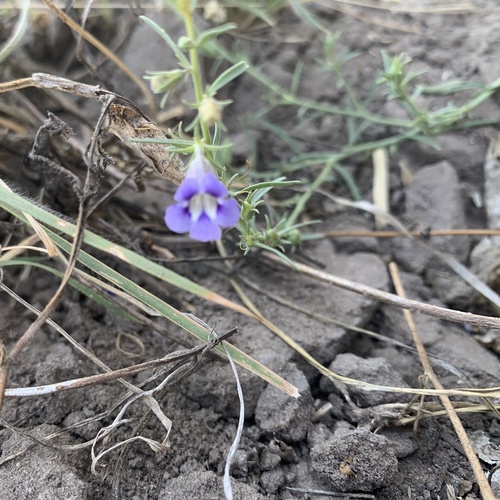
(40, 234)
(102, 48)
(18, 32)
(8, 253)
(406, 7)
(44, 238)
(416, 234)
(483, 483)
(333, 494)
(182, 370)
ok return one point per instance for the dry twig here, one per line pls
(389, 298)
(484, 486)
(123, 119)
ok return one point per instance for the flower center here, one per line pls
(203, 203)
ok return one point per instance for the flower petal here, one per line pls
(228, 213)
(211, 185)
(205, 230)
(199, 165)
(178, 219)
(188, 188)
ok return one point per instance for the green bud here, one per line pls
(273, 238)
(210, 111)
(294, 237)
(163, 81)
(247, 211)
(184, 43)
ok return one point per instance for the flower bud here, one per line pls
(163, 81)
(210, 111)
(159, 83)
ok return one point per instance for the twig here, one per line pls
(422, 234)
(102, 378)
(334, 494)
(484, 486)
(388, 298)
(126, 120)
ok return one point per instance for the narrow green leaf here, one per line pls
(227, 76)
(17, 205)
(183, 60)
(214, 32)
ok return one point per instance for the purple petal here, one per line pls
(228, 213)
(205, 230)
(188, 188)
(199, 165)
(211, 185)
(178, 219)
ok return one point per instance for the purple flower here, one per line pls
(203, 205)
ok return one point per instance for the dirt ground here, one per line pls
(289, 449)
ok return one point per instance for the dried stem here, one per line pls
(481, 479)
(102, 378)
(424, 234)
(388, 298)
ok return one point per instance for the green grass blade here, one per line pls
(17, 205)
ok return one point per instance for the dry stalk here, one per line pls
(481, 479)
(386, 297)
(102, 378)
(423, 234)
(123, 119)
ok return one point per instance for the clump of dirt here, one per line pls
(334, 437)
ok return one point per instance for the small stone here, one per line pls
(318, 434)
(204, 386)
(433, 200)
(272, 480)
(268, 460)
(358, 461)
(282, 416)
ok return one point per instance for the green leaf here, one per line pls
(227, 76)
(451, 87)
(212, 33)
(280, 182)
(183, 60)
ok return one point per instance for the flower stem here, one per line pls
(187, 14)
(301, 203)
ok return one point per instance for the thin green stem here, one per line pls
(284, 97)
(196, 77)
(301, 203)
